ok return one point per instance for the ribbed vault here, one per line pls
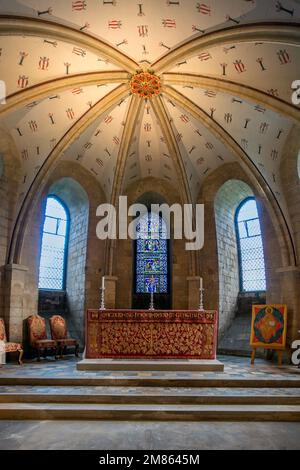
(226, 71)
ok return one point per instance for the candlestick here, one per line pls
(103, 282)
(102, 290)
(152, 287)
(151, 307)
(201, 295)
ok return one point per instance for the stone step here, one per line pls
(152, 380)
(153, 399)
(178, 365)
(145, 395)
(150, 412)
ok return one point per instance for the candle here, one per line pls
(103, 282)
(201, 283)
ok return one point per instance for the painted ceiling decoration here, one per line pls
(132, 89)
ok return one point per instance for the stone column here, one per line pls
(110, 291)
(193, 292)
(15, 279)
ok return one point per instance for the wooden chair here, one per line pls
(10, 347)
(38, 336)
(59, 334)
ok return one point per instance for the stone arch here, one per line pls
(280, 287)
(82, 193)
(162, 191)
(75, 198)
(148, 199)
(227, 199)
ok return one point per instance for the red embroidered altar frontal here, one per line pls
(140, 334)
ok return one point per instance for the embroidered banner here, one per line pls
(151, 334)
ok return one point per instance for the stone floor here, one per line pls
(235, 367)
(103, 435)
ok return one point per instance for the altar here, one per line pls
(145, 334)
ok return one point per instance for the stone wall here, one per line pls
(9, 183)
(289, 276)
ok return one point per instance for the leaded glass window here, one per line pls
(54, 246)
(152, 255)
(251, 252)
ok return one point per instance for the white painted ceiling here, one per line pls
(145, 31)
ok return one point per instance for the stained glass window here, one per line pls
(251, 252)
(151, 255)
(54, 241)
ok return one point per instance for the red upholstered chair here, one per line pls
(59, 334)
(38, 336)
(10, 347)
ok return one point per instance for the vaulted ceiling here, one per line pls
(226, 69)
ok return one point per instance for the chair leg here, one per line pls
(55, 353)
(253, 356)
(77, 350)
(279, 358)
(21, 352)
(38, 355)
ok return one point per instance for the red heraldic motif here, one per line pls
(143, 30)
(284, 56)
(79, 51)
(33, 126)
(44, 63)
(167, 23)
(204, 56)
(239, 66)
(70, 113)
(184, 118)
(79, 5)
(108, 119)
(204, 9)
(210, 93)
(77, 91)
(22, 81)
(114, 24)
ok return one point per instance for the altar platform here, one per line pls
(191, 365)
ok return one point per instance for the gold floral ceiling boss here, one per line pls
(145, 85)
